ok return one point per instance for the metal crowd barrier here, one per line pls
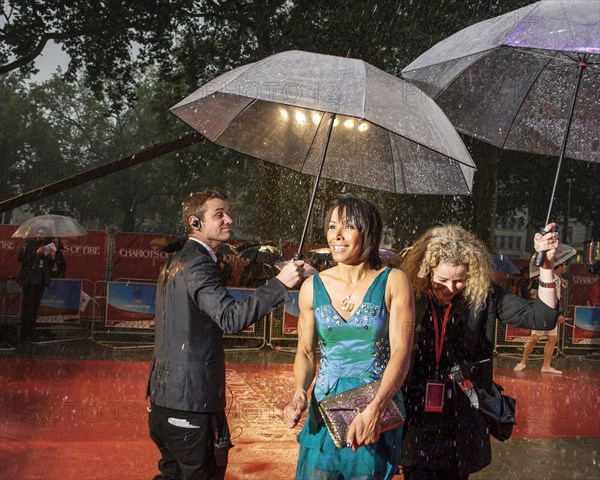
(62, 318)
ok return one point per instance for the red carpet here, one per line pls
(87, 419)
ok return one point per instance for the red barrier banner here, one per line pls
(515, 334)
(86, 256)
(291, 313)
(9, 249)
(138, 255)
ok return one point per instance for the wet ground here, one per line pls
(520, 458)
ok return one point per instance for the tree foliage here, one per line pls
(131, 61)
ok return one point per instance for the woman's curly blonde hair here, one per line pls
(454, 245)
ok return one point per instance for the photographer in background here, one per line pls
(36, 263)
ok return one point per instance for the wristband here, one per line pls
(547, 284)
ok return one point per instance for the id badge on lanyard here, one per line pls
(435, 389)
(434, 396)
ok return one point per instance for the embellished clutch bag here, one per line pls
(339, 411)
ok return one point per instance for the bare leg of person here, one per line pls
(548, 351)
(529, 346)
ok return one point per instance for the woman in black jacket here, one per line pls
(456, 310)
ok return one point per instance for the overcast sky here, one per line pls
(51, 58)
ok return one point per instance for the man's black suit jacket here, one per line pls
(193, 311)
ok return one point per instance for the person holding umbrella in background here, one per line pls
(457, 306)
(36, 262)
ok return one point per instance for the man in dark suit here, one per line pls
(193, 310)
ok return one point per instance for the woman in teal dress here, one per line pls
(360, 315)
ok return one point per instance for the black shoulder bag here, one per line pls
(499, 410)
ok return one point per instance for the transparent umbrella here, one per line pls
(528, 80)
(52, 226)
(333, 117)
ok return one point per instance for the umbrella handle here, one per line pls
(540, 258)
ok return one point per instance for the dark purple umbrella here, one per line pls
(527, 80)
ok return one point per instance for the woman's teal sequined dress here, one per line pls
(352, 353)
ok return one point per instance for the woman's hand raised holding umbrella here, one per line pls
(547, 243)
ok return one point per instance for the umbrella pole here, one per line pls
(539, 260)
(298, 255)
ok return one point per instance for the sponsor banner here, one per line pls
(130, 305)
(138, 255)
(241, 294)
(291, 313)
(9, 249)
(586, 330)
(581, 283)
(515, 334)
(61, 302)
(86, 257)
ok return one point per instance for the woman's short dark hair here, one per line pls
(366, 219)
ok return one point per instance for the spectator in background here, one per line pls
(595, 290)
(551, 335)
(225, 269)
(524, 283)
(59, 264)
(36, 262)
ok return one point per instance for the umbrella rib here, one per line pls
(388, 133)
(550, 58)
(364, 90)
(254, 100)
(312, 142)
(467, 67)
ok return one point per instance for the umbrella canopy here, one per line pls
(298, 109)
(503, 265)
(508, 80)
(563, 253)
(528, 80)
(262, 253)
(53, 226)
